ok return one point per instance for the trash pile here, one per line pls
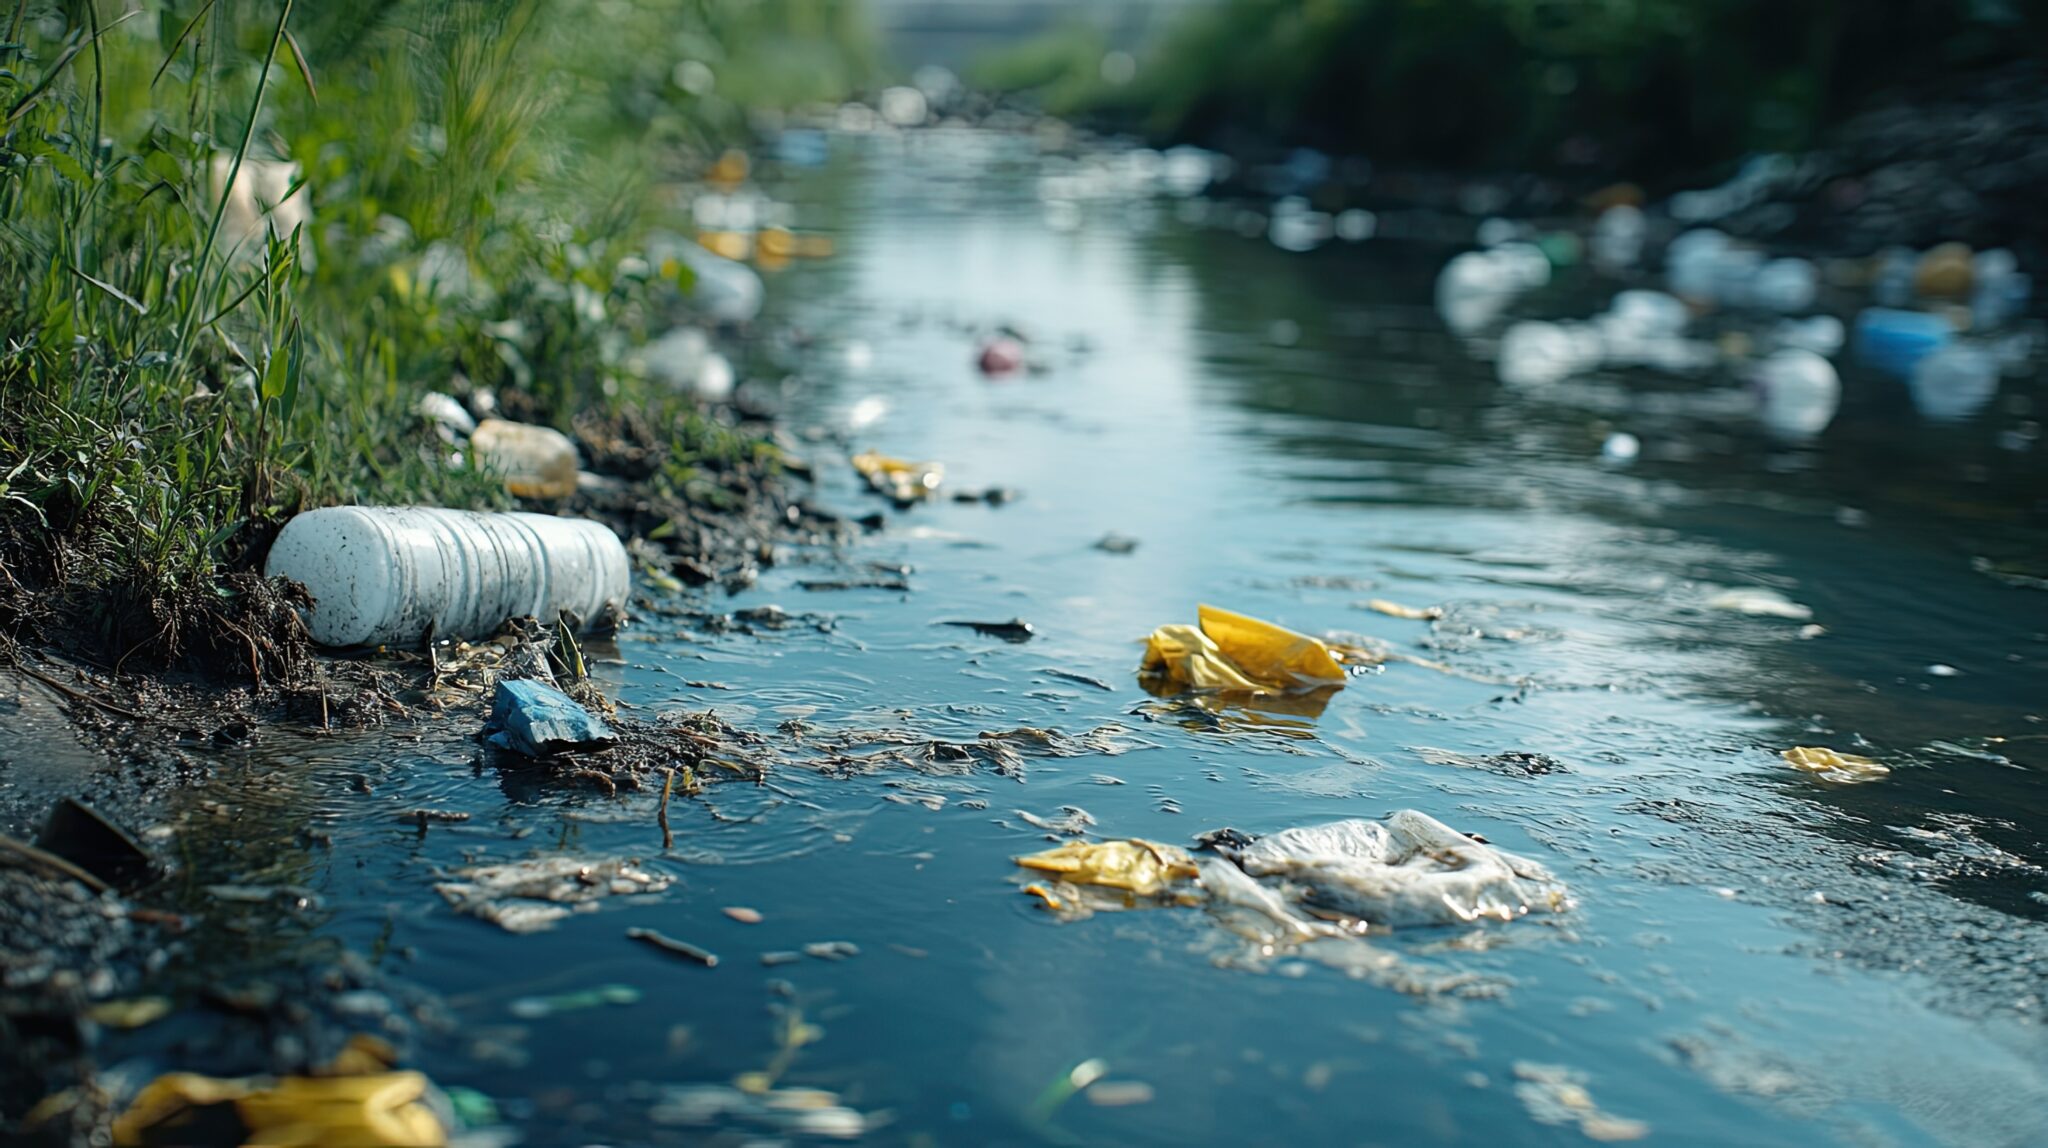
(1337, 880)
(1948, 322)
(529, 896)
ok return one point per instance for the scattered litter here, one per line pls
(1105, 779)
(1014, 630)
(1042, 893)
(1758, 602)
(535, 1008)
(357, 1101)
(1397, 610)
(1233, 652)
(512, 565)
(1139, 867)
(1001, 355)
(1114, 543)
(1072, 820)
(1514, 762)
(1826, 764)
(780, 957)
(1942, 670)
(422, 817)
(832, 950)
(668, 944)
(1119, 1093)
(528, 896)
(894, 585)
(539, 720)
(1557, 1095)
(742, 914)
(1410, 869)
(900, 481)
(129, 1014)
(534, 462)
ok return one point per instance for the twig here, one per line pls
(668, 839)
(668, 944)
(74, 693)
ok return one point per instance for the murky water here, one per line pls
(1757, 957)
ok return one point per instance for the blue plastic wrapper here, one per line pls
(539, 721)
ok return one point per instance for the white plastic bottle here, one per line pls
(382, 575)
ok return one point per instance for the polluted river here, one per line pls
(1589, 651)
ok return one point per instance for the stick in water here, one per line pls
(668, 944)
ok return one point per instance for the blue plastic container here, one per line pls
(1895, 341)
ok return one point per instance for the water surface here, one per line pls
(1757, 957)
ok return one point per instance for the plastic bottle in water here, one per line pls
(1954, 383)
(1895, 341)
(1618, 238)
(536, 462)
(383, 575)
(1798, 393)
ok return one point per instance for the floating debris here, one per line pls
(535, 1008)
(742, 914)
(1514, 762)
(1119, 1093)
(422, 817)
(780, 957)
(1556, 1095)
(1071, 822)
(1397, 610)
(832, 950)
(1114, 543)
(1136, 866)
(1410, 869)
(901, 482)
(1232, 652)
(1826, 764)
(539, 720)
(529, 896)
(1014, 630)
(668, 944)
(354, 1100)
(1759, 602)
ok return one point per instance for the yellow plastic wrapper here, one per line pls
(1145, 868)
(383, 1110)
(1826, 764)
(1234, 652)
(357, 1102)
(900, 480)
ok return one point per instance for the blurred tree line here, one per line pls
(1635, 87)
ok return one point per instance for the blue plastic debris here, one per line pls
(1895, 341)
(539, 720)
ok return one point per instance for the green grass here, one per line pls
(478, 179)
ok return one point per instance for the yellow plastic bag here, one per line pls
(1234, 652)
(377, 1110)
(900, 480)
(1826, 764)
(1145, 868)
